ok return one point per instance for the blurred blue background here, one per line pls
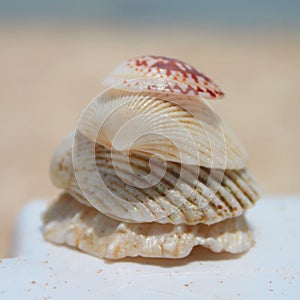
(235, 14)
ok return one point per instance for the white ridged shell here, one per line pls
(71, 223)
(176, 128)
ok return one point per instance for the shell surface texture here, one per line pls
(179, 130)
(150, 170)
(183, 78)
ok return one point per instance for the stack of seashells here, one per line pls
(150, 170)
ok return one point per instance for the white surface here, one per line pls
(271, 270)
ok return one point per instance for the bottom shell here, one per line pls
(69, 222)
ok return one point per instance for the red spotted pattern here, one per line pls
(184, 78)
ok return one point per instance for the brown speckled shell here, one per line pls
(170, 201)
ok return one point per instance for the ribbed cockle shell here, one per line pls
(174, 193)
(175, 128)
(162, 74)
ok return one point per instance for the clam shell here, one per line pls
(175, 128)
(162, 74)
(175, 193)
(71, 223)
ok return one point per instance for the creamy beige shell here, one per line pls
(71, 223)
(209, 197)
(174, 127)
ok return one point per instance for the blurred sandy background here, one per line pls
(50, 70)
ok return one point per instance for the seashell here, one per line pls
(175, 128)
(76, 225)
(162, 74)
(174, 194)
(150, 170)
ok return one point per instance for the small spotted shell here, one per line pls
(162, 74)
(71, 223)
